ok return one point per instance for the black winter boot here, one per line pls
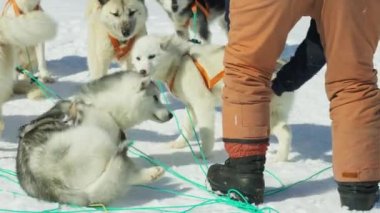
(243, 174)
(358, 196)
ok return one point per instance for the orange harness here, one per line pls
(16, 8)
(194, 9)
(209, 82)
(121, 49)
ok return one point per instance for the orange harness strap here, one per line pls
(16, 8)
(121, 50)
(194, 8)
(209, 82)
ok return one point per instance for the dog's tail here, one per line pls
(28, 29)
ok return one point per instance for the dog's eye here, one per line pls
(138, 58)
(156, 98)
(151, 56)
(116, 14)
(132, 12)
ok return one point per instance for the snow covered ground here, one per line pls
(311, 148)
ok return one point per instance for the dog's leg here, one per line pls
(284, 136)
(205, 113)
(146, 175)
(187, 131)
(1, 120)
(42, 67)
(114, 180)
(6, 85)
(280, 107)
(7, 75)
(98, 64)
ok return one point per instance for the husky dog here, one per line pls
(33, 56)
(113, 27)
(171, 60)
(181, 13)
(17, 32)
(76, 152)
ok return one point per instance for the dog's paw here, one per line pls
(202, 155)
(177, 144)
(1, 127)
(281, 157)
(156, 172)
(35, 94)
(47, 79)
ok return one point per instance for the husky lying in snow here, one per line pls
(181, 14)
(76, 152)
(113, 26)
(170, 59)
(17, 32)
(32, 56)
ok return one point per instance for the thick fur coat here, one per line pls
(77, 153)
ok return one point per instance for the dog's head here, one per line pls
(174, 6)
(142, 100)
(128, 96)
(150, 52)
(123, 18)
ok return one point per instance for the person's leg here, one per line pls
(351, 31)
(257, 36)
(308, 59)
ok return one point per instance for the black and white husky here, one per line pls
(181, 12)
(76, 152)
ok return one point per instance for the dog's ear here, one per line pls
(103, 2)
(165, 42)
(176, 43)
(145, 82)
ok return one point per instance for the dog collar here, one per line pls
(121, 48)
(16, 8)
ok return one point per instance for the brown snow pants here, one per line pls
(350, 31)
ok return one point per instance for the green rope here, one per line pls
(161, 87)
(286, 187)
(49, 93)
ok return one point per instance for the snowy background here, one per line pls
(311, 148)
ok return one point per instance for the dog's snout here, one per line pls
(143, 72)
(125, 31)
(175, 7)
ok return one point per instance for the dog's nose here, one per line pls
(125, 32)
(143, 72)
(170, 116)
(175, 7)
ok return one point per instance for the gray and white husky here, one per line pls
(76, 152)
(170, 59)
